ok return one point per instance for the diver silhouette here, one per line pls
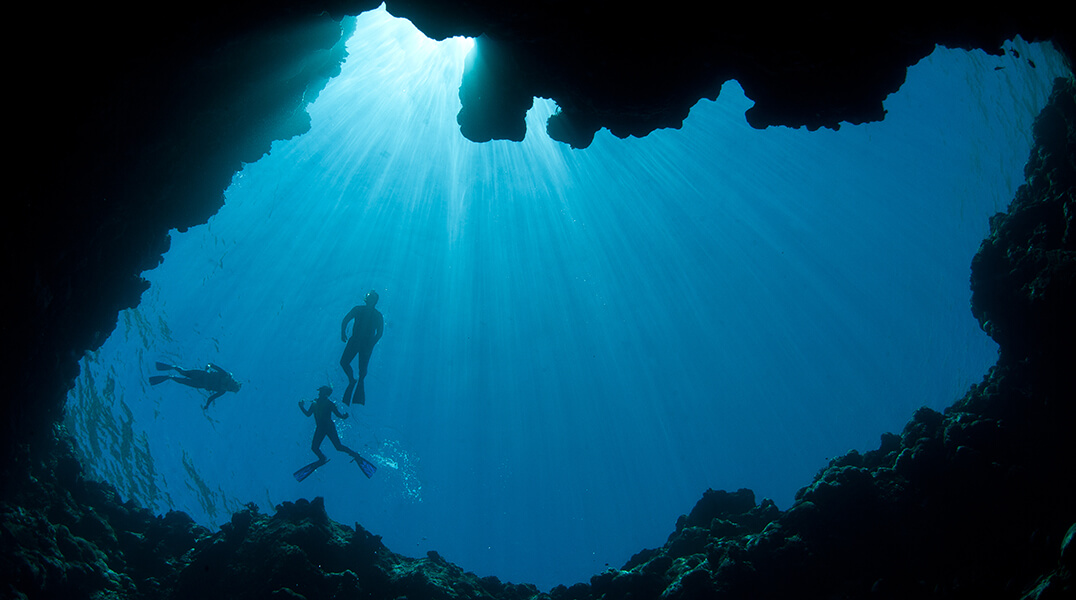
(367, 330)
(212, 378)
(322, 409)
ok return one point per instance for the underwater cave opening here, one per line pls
(577, 343)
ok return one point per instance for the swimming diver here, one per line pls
(322, 409)
(369, 325)
(212, 378)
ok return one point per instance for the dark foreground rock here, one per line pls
(125, 131)
(977, 502)
(67, 537)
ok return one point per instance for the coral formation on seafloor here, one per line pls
(976, 502)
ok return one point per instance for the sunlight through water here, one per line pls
(577, 343)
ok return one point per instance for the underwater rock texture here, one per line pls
(148, 131)
(135, 130)
(633, 69)
(144, 137)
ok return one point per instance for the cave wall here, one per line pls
(976, 502)
(133, 131)
(132, 128)
(632, 70)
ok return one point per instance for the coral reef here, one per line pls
(976, 502)
(68, 537)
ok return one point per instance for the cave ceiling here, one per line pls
(128, 126)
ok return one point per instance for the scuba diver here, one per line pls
(369, 325)
(322, 410)
(212, 378)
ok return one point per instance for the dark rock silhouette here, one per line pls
(634, 70)
(976, 502)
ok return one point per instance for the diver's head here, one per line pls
(324, 391)
(233, 385)
(371, 298)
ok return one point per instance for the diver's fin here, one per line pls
(368, 468)
(305, 472)
(163, 367)
(155, 379)
(347, 393)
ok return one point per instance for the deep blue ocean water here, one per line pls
(577, 343)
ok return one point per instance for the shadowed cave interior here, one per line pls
(152, 139)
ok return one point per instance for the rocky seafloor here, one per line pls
(125, 131)
(976, 502)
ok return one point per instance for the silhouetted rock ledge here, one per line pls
(978, 502)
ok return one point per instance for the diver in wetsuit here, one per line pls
(212, 378)
(322, 410)
(367, 330)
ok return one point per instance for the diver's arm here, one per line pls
(379, 330)
(212, 398)
(336, 411)
(343, 325)
(306, 411)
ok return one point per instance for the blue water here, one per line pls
(577, 343)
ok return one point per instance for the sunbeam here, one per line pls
(577, 343)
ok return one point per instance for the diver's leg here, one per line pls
(335, 439)
(364, 361)
(192, 377)
(315, 445)
(360, 388)
(185, 381)
(350, 350)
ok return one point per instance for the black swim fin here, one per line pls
(305, 472)
(155, 379)
(368, 468)
(163, 367)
